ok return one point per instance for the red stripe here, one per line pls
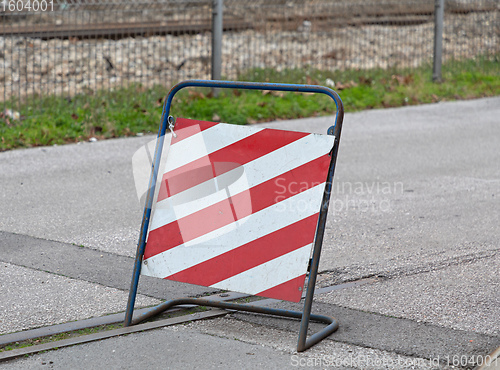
(288, 291)
(185, 128)
(181, 179)
(225, 159)
(237, 206)
(250, 255)
(163, 239)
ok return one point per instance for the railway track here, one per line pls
(400, 14)
(119, 30)
(320, 18)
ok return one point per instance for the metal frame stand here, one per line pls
(303, 342)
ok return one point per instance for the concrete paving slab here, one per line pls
(32, 298)
(386, 333)
(328, 353)
(218, 344)
(463, 297)
(80, 193)
(87, 264)
(159, 349)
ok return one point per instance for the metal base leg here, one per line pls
(303, 343)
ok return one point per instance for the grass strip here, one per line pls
(135, 110)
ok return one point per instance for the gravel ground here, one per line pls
(70, 66)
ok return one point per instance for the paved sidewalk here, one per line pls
(416, 207)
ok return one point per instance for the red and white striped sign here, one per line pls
(237, 208)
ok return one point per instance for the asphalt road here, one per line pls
(416, 207)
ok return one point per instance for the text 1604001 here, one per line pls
(27, 5)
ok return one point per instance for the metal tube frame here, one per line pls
(438, 40)
(217, 28)
(303, 342)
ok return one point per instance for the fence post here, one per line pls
(438, 40)
(216, 41)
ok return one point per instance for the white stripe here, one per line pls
(269, 274)
(256, 172)
(234, 235)
(205, 142)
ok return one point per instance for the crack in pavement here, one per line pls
(345, 274)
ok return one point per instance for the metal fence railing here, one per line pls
(77, 46)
